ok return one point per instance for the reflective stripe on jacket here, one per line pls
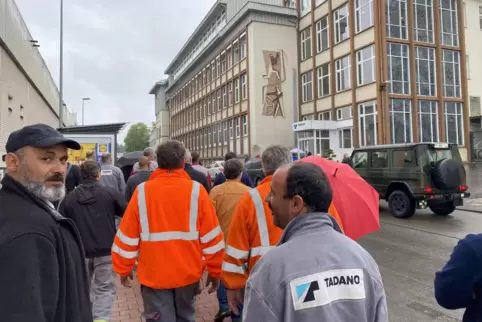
(169, 226)
(251, 235)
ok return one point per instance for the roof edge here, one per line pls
(156, 86)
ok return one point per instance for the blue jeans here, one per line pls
(223, 303)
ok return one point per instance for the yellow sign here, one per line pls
(103, 148)
(79, 156)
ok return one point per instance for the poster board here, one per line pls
(98, 143)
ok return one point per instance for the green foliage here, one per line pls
(137, 138)
(329, 154)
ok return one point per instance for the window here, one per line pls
(210, 137)
(230, 94)
(379, 159)
(242, 46)
(225, 131)
(290, 3)
(236, 90)
(244, 93)
(401, 120)
(229, 57)
(223, 62)
(451, 73)
(363, 14)
(307, 87)
(427, 121)
(454, 124)
(423, 20)
(213, 71)
(344, 113)
(307, 117)
(398, 69)
(397, 19)
(449, 22)
(322, 35)
(224, 104)
(324, 116)
(236, 52)
(346, 138)
(342, 68)
(305, 6)
(230, 122)
(213, 107)
(368, 123)
(342, 30)
(403, 158)
(360, 160)
(218, 67)
(220, 133)
(324, 80)
(238, 133)
(425, 69)
(244, 119)
(306, 43)
(219, 102)
(365, 60)
(215, 134)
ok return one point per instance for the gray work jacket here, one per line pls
(112, 176)
(315, 274)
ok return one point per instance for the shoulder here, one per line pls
(472, 243)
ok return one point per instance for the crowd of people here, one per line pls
(274, 252)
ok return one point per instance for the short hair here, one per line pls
(148, 152)
(308, 181)
(232, 169)
(229, 156)
(195, 156)
(89, 169)
(143, 162)
(106, 156)
(89, 154)
(170, 155)
(187, 156)
(274, 157)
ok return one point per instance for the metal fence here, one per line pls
(476, 145)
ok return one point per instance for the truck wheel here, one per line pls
(443, 209)
(401, 205)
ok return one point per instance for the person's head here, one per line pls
(229, 156)
(195, 157)
(297, 189)
(149, 153)
(90, 155)
(187, 157)
(106, 158)
(90, 170)
(37, 158)
(170, 155)
(274, 157)
(309, 154)
(143, 163)
(233, 169)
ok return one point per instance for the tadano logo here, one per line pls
(306, 292)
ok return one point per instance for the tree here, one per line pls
(137, 138)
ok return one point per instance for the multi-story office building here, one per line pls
(233, 86)
(380, 72)
(28, 93)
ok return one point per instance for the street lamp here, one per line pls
(83, 101)
(61, 67)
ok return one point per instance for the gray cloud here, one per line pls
(113, 53)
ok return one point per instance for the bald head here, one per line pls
(143, 163)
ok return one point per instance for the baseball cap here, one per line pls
(37, 136)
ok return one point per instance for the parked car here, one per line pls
(254, 170)
(415, 175)
(215, 168)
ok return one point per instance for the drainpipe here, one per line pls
(295, 103)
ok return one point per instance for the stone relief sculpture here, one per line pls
(275, 75)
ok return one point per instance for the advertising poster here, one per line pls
(90, 142)
(102, 148)
(79, 156)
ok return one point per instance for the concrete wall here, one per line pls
(267, 130)
(473, 45)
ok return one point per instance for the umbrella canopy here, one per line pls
(129, 159)
(296, 150)
(355, 200)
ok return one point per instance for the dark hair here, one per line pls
(229, 156)
(308, 181)
(195, 156)
(89, 169)
(232, 169)
(170, 155)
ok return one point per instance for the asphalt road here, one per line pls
(409, 252)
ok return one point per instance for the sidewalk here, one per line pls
(472, 205)
(128, 306)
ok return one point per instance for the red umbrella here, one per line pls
(355, 200)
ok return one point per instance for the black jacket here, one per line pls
(43, 277)
(93, 208)
(73, 178)
(197, 176)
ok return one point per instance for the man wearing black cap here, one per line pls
(42, 272)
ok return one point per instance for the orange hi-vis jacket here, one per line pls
(169, 226)
(252, 234)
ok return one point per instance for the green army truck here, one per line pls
(414, 176)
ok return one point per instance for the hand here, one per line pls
(200, 288)
(125, 280)
(214, 282)
(235, 297)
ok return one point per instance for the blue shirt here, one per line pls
(220, 179)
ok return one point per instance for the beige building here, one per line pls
(28, 93)
(233, 85)
(379, 72)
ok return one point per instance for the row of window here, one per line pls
(340, 20)
(365, 60)
(216, 134)
(219, 99)
(424, 26)
(401, 158)
(228, 58)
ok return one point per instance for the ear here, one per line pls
(13, 162)
(298, 203)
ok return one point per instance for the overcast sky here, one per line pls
(114, 50)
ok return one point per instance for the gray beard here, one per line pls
(41, 191)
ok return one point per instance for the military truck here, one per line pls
(414, 176)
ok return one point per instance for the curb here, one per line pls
(470, 210)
